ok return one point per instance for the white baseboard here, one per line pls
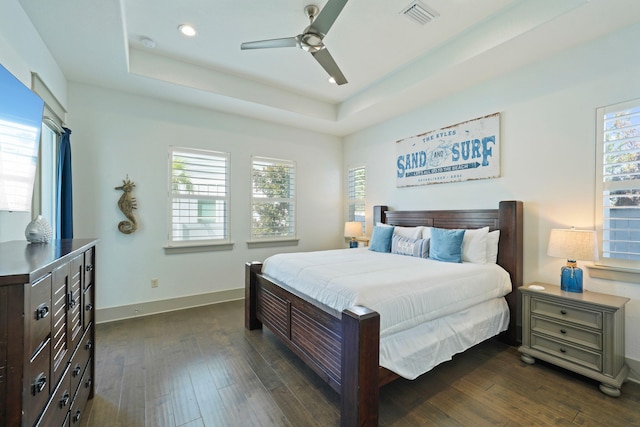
(634, 370)
(111, 314)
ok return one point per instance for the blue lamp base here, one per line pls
(353, 244)
(571, 279)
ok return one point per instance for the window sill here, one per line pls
(272, 243)
(195, 247)
(614, 273)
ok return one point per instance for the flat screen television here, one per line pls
(20, 126)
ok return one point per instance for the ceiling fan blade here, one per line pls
(272, 43)
(328, 16)
(326, 60)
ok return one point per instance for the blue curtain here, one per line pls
(64, 196)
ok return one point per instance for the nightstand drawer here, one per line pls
(586, 358)
(591, 339)
(569, 313)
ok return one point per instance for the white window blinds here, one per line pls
(356, 190)
(618, 184)
(273, 199)
(198, 196)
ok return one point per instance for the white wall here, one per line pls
(117, 134)
(22, 51)
(547, 151)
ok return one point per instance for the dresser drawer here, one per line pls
(569, 313)
(576, 355)
(80, 359)
(58, 407)
(38, 383)
(587, 338)
(39, 313)
(82, 395)
(88, 307)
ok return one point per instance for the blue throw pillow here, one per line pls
(411, 247)
(446, 245)
(381, 239)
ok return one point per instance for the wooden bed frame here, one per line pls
(343, 347)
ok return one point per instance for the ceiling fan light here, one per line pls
(187, 30)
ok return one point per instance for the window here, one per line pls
(357, 192)
(273, 203)
(198, 197)
(618, 184)
(48, 165)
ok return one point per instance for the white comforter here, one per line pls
(405, 290)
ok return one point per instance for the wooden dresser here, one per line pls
(582, 332)
(46, 331)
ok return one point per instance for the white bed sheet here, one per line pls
(406, 291)
(413, 352)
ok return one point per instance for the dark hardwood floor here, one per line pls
(200, 367)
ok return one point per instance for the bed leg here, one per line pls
(360, 387)
(250, 295)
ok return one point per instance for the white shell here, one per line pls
(38, 231)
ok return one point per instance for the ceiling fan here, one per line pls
(311, 38)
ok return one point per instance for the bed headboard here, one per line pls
(507, 218)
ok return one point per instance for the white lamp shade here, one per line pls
(573, 244)
(352, 229)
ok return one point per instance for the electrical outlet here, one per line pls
(154, 283)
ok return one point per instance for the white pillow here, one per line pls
(426, 232)
(408, 232)
(474, 245)
(492, 246)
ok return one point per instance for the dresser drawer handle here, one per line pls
(76, 416)
(563, 331)
(88, 307)
(65, 399)
(87, 383)
(42, 311)
(40, 384)
(71, 301)
(563, 311)
(562, 350)
(88, 345)
(76, 371)
(89, 267)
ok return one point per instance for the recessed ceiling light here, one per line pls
(332, 80)
(147, 42)
(187, 30)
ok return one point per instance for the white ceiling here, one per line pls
(392, 63)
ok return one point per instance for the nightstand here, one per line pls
(581, 332)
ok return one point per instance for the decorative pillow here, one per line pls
(409, 232)
(474, 245)
(446, 245)
(492, 246)
(381, 239)
(411, 247)
(426, 232)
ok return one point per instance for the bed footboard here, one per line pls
(342, 348)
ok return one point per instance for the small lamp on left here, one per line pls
(353, 229)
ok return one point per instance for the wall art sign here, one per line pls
(468, 150)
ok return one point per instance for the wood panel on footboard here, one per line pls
(343, 347)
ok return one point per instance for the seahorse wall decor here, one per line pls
(127, 203)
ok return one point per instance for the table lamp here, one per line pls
(572, 245)
(353, 229)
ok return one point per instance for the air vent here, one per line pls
(419, 12)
